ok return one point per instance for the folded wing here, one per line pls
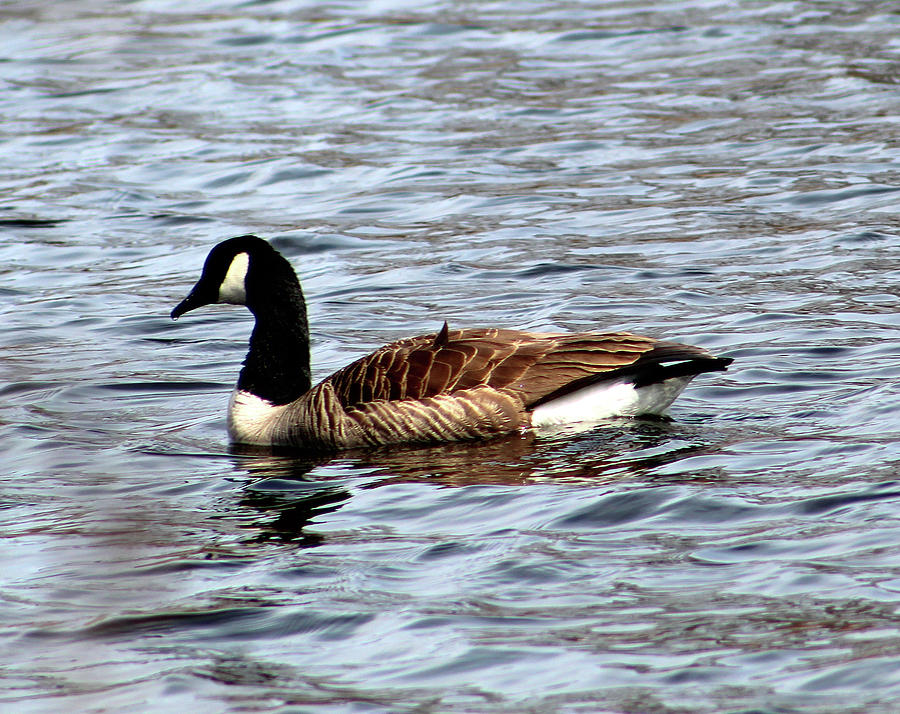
(533, 366)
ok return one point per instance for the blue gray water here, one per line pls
(720, 173)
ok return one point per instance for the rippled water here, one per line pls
(720, 173)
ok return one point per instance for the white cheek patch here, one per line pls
(233, 290)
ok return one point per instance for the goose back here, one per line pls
(533, 365)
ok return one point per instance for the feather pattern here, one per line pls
(531, 364)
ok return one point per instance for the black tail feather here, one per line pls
(654, 373)
(664, 362)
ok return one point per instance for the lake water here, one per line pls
(720, 173)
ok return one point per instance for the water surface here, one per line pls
(718, 173)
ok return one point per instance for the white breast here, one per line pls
(609, 399)
(252, 420)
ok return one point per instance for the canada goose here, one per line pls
(448, 386)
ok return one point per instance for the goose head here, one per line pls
(248, 271)
(245, 270)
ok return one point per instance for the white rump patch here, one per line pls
(607, 400)
(233, 289)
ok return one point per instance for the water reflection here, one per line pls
(293, 510)
(291, 487)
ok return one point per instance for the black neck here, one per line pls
(277, 366)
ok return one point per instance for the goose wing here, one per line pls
(534, 366)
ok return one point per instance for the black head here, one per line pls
(237, 271)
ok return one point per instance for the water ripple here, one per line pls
(716, 173)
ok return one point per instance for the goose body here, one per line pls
(448, 386)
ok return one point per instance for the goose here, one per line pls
(452, 385)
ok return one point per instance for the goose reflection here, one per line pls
(296, 487)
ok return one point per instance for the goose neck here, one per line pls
(277, 366)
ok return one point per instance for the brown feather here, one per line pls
(531, 364)
(441, 339)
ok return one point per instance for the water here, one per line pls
(724, 174)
